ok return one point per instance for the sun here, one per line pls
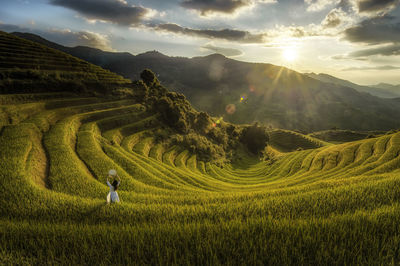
(289, 54)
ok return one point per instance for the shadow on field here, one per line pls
(244, 162)
(96, 208)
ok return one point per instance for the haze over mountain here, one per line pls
(388, 87)
(243, 92)
(381, 90)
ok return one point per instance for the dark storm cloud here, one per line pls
(210, 6)
(375, 5)
(375, 31)
(371, 68)
(115, 11)
(386, 51)
(225, 34)
(223, 50)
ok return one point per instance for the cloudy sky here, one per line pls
(357, 40)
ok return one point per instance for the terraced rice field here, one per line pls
(336, 204)
(27, 66)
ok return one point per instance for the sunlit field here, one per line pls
(304, 202)
(335, 204)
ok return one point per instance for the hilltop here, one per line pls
(271, 94)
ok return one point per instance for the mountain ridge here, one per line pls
(388, 87)
(379, 91)
(270, 94)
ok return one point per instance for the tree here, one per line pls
(141, 91)
(255, 138)
(149, 78)
(172, 114)
(182, 126)
(203, 123)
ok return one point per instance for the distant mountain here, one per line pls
(242, 92)
(379, 91)
(388, 87)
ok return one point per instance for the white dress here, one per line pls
(112, 195)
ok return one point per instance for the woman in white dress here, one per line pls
(113, 195)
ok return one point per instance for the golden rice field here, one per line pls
(332, 205)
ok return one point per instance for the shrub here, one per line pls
(140, 91)
(201, 145)
(149, 78)
(255, 138)
(218, 135)
(391, 132)
(203, 123)
(175, 111)
(182, 126)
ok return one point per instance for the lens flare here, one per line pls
(243, 97)
(230, 109)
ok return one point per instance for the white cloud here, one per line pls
(318, 5)
(337, 17)
(84, 38)
(66, 37)
(267, 1)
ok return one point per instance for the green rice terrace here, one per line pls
(301, 201)
(28, 66)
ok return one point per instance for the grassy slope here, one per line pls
(286, 140)
(340, 136)
(27, 66)
(322, 204)
(334, 204)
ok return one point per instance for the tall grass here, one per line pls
(326, 205)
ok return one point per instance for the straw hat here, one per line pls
(112, 172)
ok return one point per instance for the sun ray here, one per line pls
(277, 76)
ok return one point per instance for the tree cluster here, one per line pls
(197, 131)
(255, 138)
